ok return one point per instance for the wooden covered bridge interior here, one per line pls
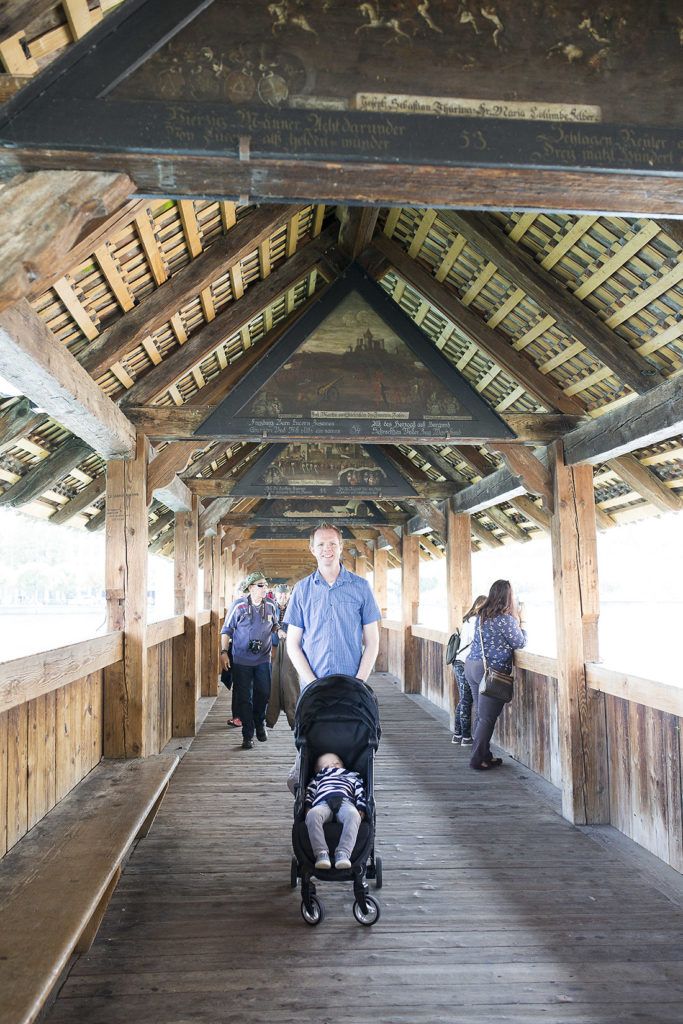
(244, 288)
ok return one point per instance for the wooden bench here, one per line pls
(55, 884)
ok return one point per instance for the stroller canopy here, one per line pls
(339, 715)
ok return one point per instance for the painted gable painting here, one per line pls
(354, 367)
(313, 468)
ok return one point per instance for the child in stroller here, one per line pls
(337, 714)
(334, 792)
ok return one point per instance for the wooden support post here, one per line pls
(410, 599)
(380, 590)
(211, 649)
(186, 646)
(582, 727)
(458, 567)
(458, 588)
(127, 715)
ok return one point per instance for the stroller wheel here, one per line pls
(294, 873)
(371, 916)
(315, 914)
(378, 872)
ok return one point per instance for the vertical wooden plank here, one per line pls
(619, 743)
(585, 792)
(379, 583)
(4, 718)
(674, 772)
(17, 774)
(212, 572)
(127, 722)
(39, 757)
(639, 773)
(96, 692)
(186, 648)
(410, 599)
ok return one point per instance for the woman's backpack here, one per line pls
(452, 647)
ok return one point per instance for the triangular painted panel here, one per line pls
(335, 470)
(354, 366)
(301, 512)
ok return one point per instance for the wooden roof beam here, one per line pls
(481, 533)
(173, 459)
(47, 473)
(531, 471)
(157, 309)
(431, 515)
(507, 525)
(88, 496)
(491, 341)
(646, 483)
(532, 512)
(17, 421)
(441, 465)
(43, 369)
(232, 319)
(570, 313)
(41, 215)
(643, 421)
(214, 513)
(356, 228)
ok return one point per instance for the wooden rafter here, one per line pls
(42, 215)
(237, 315)
(48, 472)
(88, 496)
(570, 313)
(173, 459)
(534, 475)
(35, 362)
(489, 340)
(17, 421)
(357, 226)
(158, 308)
(646, 483)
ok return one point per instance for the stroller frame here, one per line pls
(339, 714)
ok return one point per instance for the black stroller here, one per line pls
(339, 715)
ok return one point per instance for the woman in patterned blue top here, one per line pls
(500, 626)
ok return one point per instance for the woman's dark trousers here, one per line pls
(486, 713)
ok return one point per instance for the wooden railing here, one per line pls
(644, 754)
(52, 718)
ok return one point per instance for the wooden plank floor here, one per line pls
(493, 907)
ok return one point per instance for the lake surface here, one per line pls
(639, 638)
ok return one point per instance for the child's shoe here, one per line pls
(342, 863)
(457, 737)
(322, 861)
(466, 741)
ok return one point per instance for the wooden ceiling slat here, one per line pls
(164, 303)
(235, 317)
(521, 368)
(571, 315)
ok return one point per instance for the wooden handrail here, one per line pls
(166, 629)
(393, 625)
(648, 692)
(539, 663)
(26, 678)
(426, 633)
(204, 617)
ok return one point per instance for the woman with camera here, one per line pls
(249, 627)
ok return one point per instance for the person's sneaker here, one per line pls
(466, 741)
(247, 744)
(322, 861)
(235, 723)
(457, 736)
(342, 863)
(261, 734)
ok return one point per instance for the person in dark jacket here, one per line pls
(284, 687)
(249, 625)
(500, 629)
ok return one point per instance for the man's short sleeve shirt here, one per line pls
(332, 619)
